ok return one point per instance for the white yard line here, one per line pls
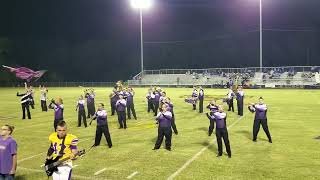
(185, 165)
(30, 157)
(100, 171)
(133, 174)
(27, 158)
(42, 171)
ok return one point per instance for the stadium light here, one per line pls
(141, 5)
(260, 29)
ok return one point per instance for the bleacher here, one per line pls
(252, 76)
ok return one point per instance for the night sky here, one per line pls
(99, 40)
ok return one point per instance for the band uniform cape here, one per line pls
(25, 73)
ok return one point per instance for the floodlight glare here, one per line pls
(141, 4)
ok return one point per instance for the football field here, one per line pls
(293, 119)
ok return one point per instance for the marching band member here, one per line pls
(260, 118)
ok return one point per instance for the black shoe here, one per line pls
(176, 133)
(110, 146)
(169, 149)
(254, 140)
(95, 145)
(219, 155)
(270, 141)
(229, 156)
(155, 148)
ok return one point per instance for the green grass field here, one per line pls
(293, 118)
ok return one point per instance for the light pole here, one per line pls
(141, 5)
(260, 7)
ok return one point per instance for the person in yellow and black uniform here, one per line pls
(64, 145)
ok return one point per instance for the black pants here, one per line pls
(105, 130)
(256, 128)
(6, 176)
(173, 124)
(44, 105)
(55, 123)
(32, 103)
(222, 133)
(230, 104)
(25, 106)
(82, 115)
(200, 105)
(194, 106)
(240, 107)
(122, 119)
(113, 107)
(211, 127)
(130, 107)
(164, 132)
(91, 109)
(150, 105)
(156, 108)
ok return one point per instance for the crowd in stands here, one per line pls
(276, 73)
(243, 76)
(308, 75)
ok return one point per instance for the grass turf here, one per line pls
(292, 118)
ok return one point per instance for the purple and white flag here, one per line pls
(25, 73)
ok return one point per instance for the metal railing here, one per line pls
(222, 75)
(231, 70)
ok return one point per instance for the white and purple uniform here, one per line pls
(260, 118)
(101, 117)
(121, 110)
(261, 111)
(164, 119)
(58, 111)
(121, 105)
(81, 104)
(221, 132)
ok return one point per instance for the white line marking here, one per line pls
(100, 171)
(28, 169)
(42, 171)
(133, 174)
(196, 155)
(27, 158)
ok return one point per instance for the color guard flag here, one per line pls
(25, 73)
